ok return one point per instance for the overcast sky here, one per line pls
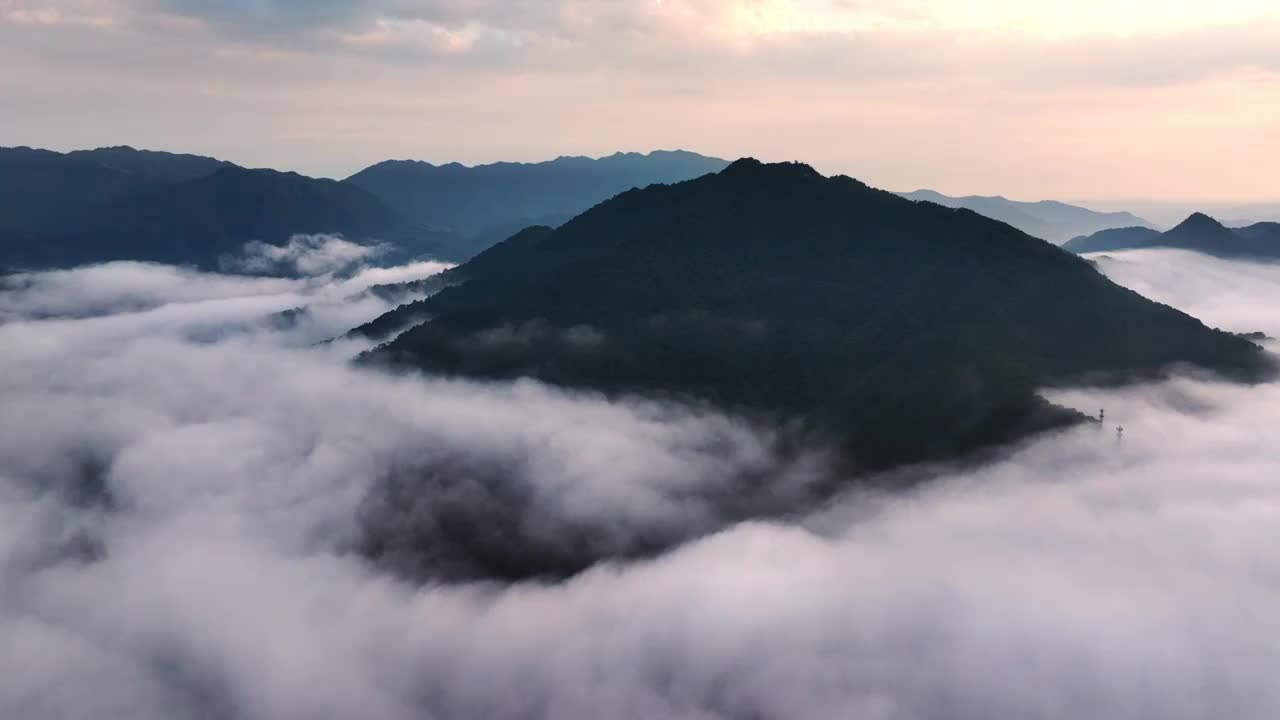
(1091, 99)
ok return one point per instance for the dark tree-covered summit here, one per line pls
(910, 330)
(1199, 232)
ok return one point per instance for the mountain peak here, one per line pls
(484, 203)
(749, 166)
(749, 289)
(1199, 221)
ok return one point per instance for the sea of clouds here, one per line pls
(208, 513)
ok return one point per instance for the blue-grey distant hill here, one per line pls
(42, 190)
(1199, 233)
(494, 201)
(202, 221)
(120, 203)
(1050, 220)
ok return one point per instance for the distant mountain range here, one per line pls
(64, 209)
(121, 203)
(199, 221)
(907, 330)
(1048, 219)
(42, 189)
(1199, 232)
(1167, 214)
(510, 196)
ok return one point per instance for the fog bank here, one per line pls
(186, 492)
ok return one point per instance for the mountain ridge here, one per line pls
(1051, 220)
(203, 220)
(1199, 232)
(620, 155)
(913, 331)
(473, 200)
(62, 209)
(40, 189)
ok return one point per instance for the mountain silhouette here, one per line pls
(908, 330)
(1198, 232)
(40, 190)
(200, 221)
(119, 203)
(1054, 221)
(489, 203)
(151, 164)
(115, 203)
(1268, 232)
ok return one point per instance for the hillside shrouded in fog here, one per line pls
(562, 359)
(904, 331)
(187, 492)
(60, 210)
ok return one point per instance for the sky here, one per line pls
(1103, 100)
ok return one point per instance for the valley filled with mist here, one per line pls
(639, 360)
(207, 511)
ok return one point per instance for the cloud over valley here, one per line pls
(206, 514)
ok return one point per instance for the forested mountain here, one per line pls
(60, 209)
(502, 198)
(40, 190)
(1113, 239)
(118, 203)
(910, 330)
(197, 222)
(151, 164)
(1268, 232)
(1199, 232)
(1048, 219)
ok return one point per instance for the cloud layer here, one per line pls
(184, 516)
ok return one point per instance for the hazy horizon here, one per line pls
(1161, 212)
(1095, 103)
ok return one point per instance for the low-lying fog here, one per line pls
(186, 482)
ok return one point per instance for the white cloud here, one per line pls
(1080, 577)
(369, 276)
(121, 287)
(1224, 293)
(124, 301)
(307, 255)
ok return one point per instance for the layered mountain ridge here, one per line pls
(1051, 220)
(908, 330)
(1199, 233)
(504, 197)
(119, 203)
